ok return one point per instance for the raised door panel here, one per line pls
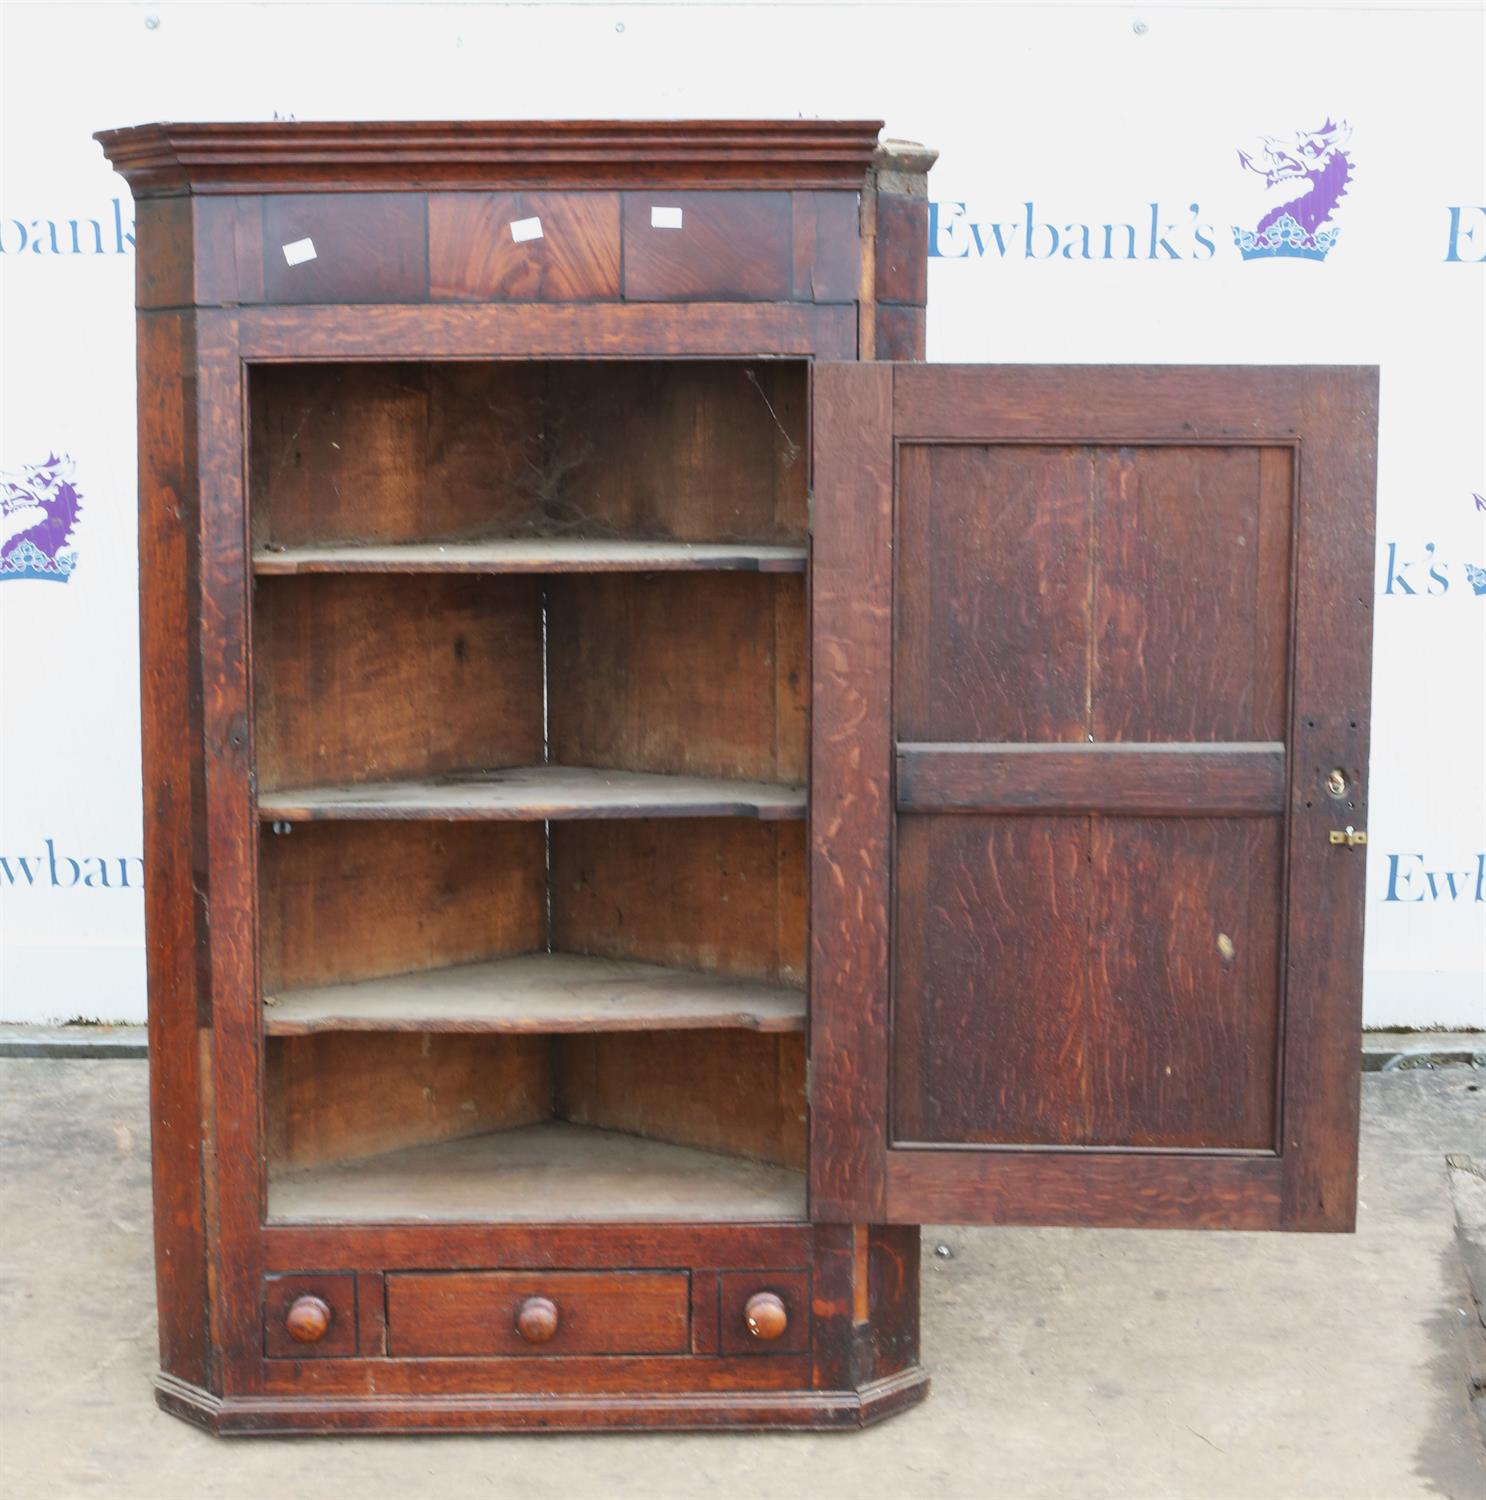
(1118, 649)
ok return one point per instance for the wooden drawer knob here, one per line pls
(536, 1320)
(765, 1316)
(308, 1319)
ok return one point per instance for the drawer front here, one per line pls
(538, 1312)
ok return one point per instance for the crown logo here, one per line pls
(1285, 238)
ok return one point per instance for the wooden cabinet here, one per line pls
(651, 794)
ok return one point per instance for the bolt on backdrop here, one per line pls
(1208, 184)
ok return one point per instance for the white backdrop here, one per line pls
(1049, 119)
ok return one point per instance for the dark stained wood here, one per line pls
(1084, 559)
(901, 332)
(308, 1319)
(765, 1312)
(352, 670)
(746, 1409)
(729, 246)
(892, 1301)
(736, 1092)
(163, 253)
(979, 526)
(724, 895)
(548, 993)
(336, 1096)
(365, 425)
(369, 454)
(1147, 629)
(477, 454)
(543, 1173)
(827, 246)
(295, 1307)
(227, 249)
(538, 555)
(1115, 405)
(537, 1312)
(687, 675)
(1177, 538)
(473, 255)
(537, 1320)
(1154, 1190)
(1087, 983)
(408, 155)
(989, 978)
(902, 262)
(225, 847)
(371, 1311)
(536, 793)
(1331, 721)
(174, 901)
(346, 901)
(498, 1378)
(697, 330)
(702, 451)
(1184, 989)
(765, 1316)
(851, 789)
(702, 1246)
(1157, 778)
(368, 247)
(1088, 957)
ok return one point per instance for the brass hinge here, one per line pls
(1349, 836)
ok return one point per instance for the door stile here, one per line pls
(851, 792)
(234, 1172)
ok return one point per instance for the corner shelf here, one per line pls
(548, 1173)
(539, 992)
(536, 794)
(531, 555)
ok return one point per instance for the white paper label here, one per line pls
(299, 252)
(526, 229)
(665, 218)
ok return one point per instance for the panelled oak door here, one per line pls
(1090, 656)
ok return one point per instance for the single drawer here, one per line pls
(538, 1312)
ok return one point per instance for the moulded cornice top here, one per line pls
(285, 156)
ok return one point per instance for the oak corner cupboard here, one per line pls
(652, 793)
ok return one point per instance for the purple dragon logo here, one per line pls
(39, 507)
(1306, 176)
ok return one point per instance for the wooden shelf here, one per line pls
(540, 992)
(541, 1174)
(532, 555)
(534, 794)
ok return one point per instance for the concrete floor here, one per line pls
(1066, 1363)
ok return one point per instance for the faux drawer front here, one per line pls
(791, 1291)
(476, 1312)
(310, 1317)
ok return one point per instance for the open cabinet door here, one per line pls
(1090, 649)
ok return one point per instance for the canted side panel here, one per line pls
(179, 986)
(1087, 954)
